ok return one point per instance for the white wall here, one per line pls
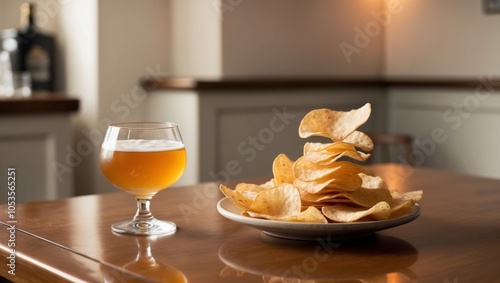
(133, 41)
(276, 38)
(302, 38)
(78, 76)
(447, 39)
(442, 38)
(195, 39)
(454, 130)
(107, 46)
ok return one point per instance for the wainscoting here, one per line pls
(455, 129)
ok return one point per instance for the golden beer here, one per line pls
(143, 167)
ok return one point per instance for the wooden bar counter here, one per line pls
(455, 239)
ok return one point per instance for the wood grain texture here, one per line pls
(38, 103)
(222, 83)
(455, 239)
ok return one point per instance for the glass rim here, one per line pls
(138, 125)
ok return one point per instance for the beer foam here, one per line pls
(142, 145)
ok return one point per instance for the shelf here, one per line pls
(38, 103)
(186, 83)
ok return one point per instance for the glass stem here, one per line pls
(143, 213)
(144, 254)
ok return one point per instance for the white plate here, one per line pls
(313, 231)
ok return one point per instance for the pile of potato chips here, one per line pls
(322, 186)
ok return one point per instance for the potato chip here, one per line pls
(403, 202)
(318, 152)
(239, 200)
(310, 215)
(400, 207)
(311, 187)
(281, 201)
(372, 182)
(269, 184)
(369, 197)
(413, 196)
(346, 182)
(321, 186)
(345, 178)
(353, 154)
(360, 140)
(305, 170)
(318, 198)
(329, 202)
(283, 170)
(250, 191)
(327, 148)
(336, 125)
(241, 187)
(347, 213)
(362, 197)
(326, 154)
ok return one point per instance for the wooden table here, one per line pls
(455, 239)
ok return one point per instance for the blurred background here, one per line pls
(104, 49)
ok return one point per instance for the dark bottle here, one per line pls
(34, 50)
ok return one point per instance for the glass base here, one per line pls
(152, 227)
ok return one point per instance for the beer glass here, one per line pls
(143, 158)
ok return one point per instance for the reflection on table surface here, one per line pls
(455, 239)
(144, 268)
(375, 258)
